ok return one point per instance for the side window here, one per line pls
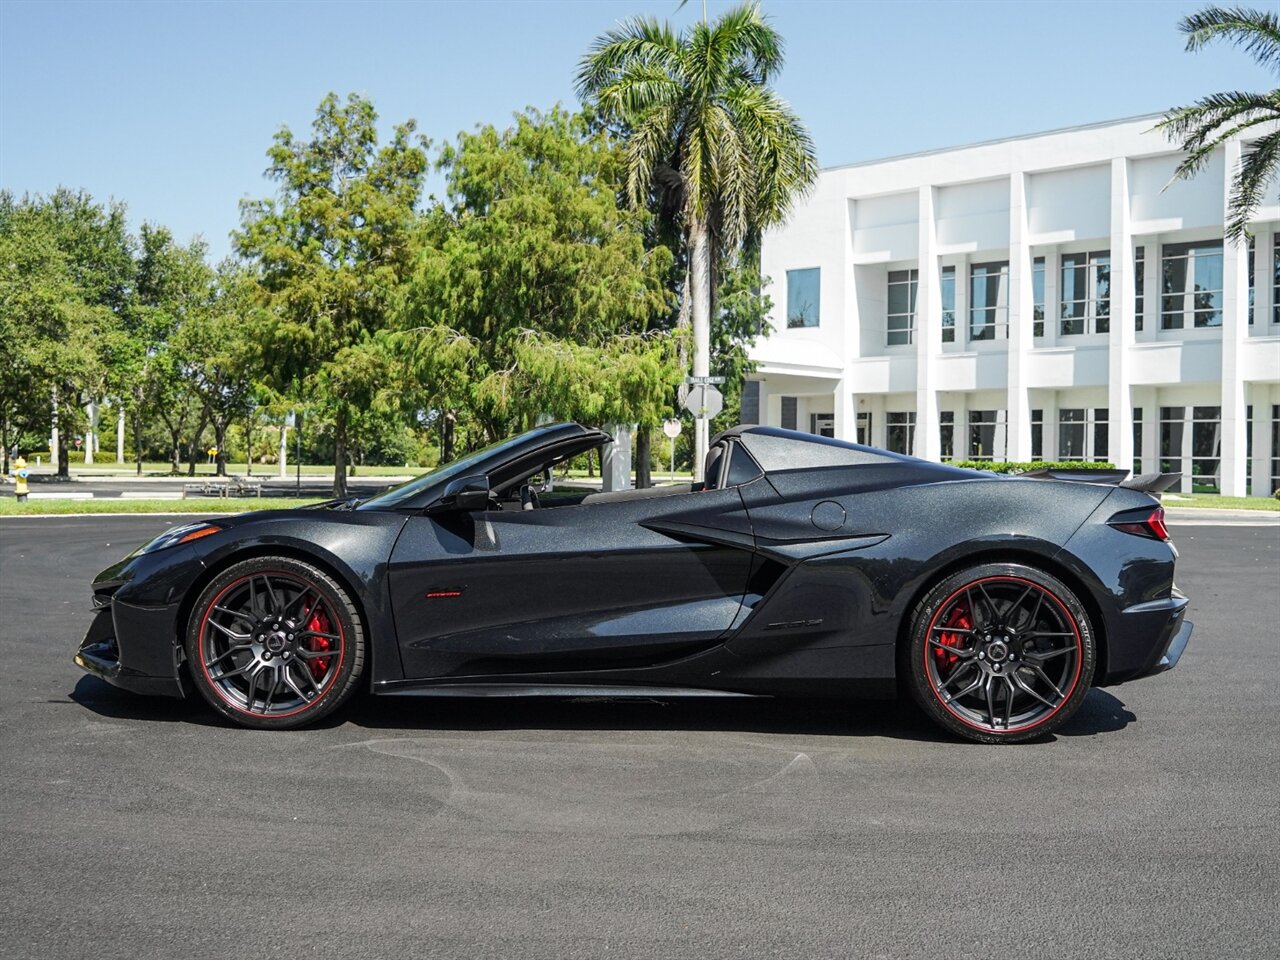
(742, 469)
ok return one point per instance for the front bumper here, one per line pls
(145, 666)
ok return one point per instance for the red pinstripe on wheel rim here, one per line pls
(1006, 647)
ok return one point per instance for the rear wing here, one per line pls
(1145, 482)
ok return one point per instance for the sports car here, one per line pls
(802, 566)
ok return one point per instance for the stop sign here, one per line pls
(704, 400)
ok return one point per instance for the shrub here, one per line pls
(1011, 466)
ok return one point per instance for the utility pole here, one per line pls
(54, 445)
(119, 431)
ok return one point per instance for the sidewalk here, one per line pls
(1206, 516)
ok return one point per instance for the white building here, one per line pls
(1043, 297)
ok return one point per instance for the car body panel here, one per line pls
(794, 571)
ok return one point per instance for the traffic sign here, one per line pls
(704, 401)
(671, 428)
(704, 379)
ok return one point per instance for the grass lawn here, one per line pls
(203, 505)
(1220, 503)
(260, 470)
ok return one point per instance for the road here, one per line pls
(87, 486)
(1148, 827)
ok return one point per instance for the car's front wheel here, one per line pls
(275, 643)
(1000, 653)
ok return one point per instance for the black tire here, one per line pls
(999, 653)
(263, 639)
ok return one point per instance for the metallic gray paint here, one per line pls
(733, 590)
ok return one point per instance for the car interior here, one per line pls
(528, 485)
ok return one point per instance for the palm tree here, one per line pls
(1212, 120)
(704, 135)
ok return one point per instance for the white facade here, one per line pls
(1044, 297)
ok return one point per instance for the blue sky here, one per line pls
(170, 106)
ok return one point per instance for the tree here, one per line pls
(1208, 123)
(174, 289)
(66, 271)
(706, 135)
(332, 250)
(534, 293)
(221, 362)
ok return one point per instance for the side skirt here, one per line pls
(412, 688)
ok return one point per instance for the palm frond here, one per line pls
(1257, 172)
(1257, 32)
(641, 40)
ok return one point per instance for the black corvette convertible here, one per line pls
(802, 566)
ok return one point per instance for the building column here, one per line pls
(1262, 452)
(1017, 416)
(1235, 328)
(960, 438)
(90, 434)
(1121, 337)
(928, 332)
(845, 405)
(1049, 427)
(1151, 455)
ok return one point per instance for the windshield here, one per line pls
(458, 468)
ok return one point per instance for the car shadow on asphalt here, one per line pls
(1101, 712)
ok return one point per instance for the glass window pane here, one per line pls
(802, 297)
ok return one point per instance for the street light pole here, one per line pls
(297, 456)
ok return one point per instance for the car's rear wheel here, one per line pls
(1000, 653)
(275, 643)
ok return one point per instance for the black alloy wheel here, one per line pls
(1000, 653)
(275, 643)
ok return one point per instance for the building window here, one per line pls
(1139, 286)
(1248, 449)
(1086, 293)
(948, 287)
(1137, 440)
(988, 301)
(900, 432)
(982, 434)
(1037, 434)
(902, 306)
(1275, 283)
(1083, 433)
(1101, 434)
(947, 434)
(1206, 448)
(788, 413)
(1037, 297)
(1275, 447)
(1171, 430)
(1071, 429)
(864, 429)
(749, 401)
(1191, 285)
(803, 287)
(823, 424)
(1252, 250)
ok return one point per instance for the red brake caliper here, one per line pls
(319, 623)
(960, 620)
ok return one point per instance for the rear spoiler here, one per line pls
(1144, 482)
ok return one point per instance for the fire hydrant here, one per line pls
(20, 475)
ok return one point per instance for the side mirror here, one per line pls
(463, 494)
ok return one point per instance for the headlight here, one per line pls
(180, 534)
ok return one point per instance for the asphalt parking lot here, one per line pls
(1148, 827)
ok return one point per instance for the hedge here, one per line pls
(1010, 466)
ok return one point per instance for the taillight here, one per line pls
(1151, 525)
